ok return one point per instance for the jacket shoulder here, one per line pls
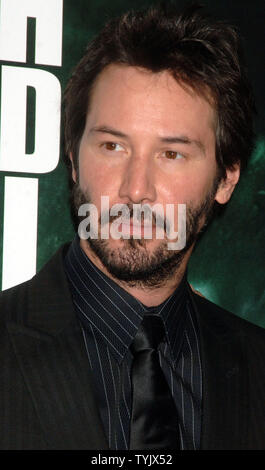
(224, 320)
(14, 301)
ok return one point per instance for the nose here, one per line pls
(138, 183)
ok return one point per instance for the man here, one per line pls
(158, 113)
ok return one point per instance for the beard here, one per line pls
(132, 262)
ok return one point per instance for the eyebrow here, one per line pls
(181, 139)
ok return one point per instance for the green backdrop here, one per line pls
(228, 263)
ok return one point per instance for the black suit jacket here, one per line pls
(47, 399)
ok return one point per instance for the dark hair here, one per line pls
(197, 50)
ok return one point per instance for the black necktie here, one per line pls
(154, 421)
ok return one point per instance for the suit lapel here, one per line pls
(225, 381)
(52, 357)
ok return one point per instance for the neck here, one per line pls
(149, 296)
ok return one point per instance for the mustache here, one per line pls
(139, 214)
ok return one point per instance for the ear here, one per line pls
(74, 175)
(227, 184)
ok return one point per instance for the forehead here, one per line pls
(137, 98)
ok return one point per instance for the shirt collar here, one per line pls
(113, 312)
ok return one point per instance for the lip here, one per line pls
(131, 224)
(136, 229)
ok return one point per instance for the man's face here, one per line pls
(147, 140)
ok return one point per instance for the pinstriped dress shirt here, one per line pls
(109, 318)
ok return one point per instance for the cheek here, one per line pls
(194, 186)
(96, 179)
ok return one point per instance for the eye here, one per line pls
(173, 155)
(112, 146)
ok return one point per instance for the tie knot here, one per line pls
(149, 335)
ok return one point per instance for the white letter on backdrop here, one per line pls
(13, 30)
(13, 120)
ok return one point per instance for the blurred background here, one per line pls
(227, 265)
